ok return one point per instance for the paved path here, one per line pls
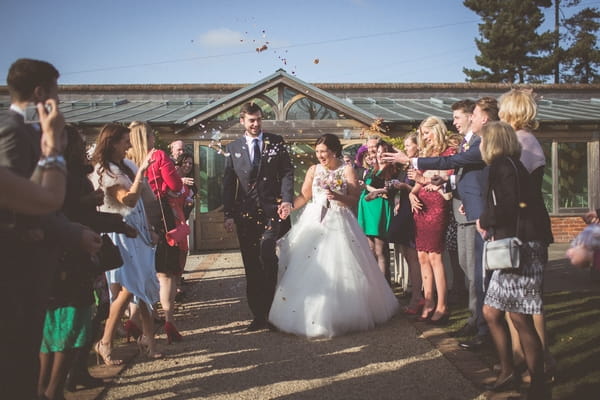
(219, 359)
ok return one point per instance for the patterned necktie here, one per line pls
(463, 145)
(256, 159)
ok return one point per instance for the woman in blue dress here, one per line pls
(121, 182)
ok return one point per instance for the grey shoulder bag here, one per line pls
(504, 254)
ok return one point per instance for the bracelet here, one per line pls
(53, 162)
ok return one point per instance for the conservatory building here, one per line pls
(206, 118)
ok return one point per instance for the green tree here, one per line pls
(511, 49)
(580, 59)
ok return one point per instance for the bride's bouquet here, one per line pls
(332, 181)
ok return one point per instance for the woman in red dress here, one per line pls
(430, 208)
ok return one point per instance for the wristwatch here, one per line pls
(56, 162)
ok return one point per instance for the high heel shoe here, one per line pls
(147, 347)
(104, 351)
(443, 320)
(132, 330)
(172, 334)
(82, 379)
(416, 309)
(508, 383)
(427, 316)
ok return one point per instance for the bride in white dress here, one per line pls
(329, 281)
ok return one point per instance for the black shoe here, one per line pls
(443, 320)
(476, 343)
(82, 379)
(466, 330)
(272, 327)
(180, 296)
(509, 383)
(257, 325)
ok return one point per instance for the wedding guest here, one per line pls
(184, 165)
(121, 182)
(584, 248)
(185, 168)
(164, 182)
(468, 183)
(68, 331)
(329, 281)
(177, 149)
(430, 209)
(519, 109)
(360, 165)
(512, 208)
(258, 189)
(402, 229)
(30, 244)
(374, 209)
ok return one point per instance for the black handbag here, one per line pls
(109, 256)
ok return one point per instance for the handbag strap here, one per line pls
(518, 196)
(160, 203)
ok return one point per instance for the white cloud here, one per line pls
(222, 37)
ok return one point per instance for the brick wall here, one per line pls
(565, 229)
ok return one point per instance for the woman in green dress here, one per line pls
(374, 208)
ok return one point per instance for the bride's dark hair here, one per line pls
(332, 142)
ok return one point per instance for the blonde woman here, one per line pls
(519, 109)
(430, 210)
(513, 208)
(164, 180)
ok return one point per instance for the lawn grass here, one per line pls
(573, 325)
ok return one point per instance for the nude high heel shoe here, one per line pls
(147, 347)
(104, 351)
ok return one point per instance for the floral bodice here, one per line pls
(325, 179)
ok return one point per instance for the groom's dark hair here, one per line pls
(250, 108)
(332, 142)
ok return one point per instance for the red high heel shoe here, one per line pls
(416, 309)
(132, 330)
(172, 334)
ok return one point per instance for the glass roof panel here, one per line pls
(233, 114)
(306, 109)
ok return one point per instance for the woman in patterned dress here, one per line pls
(514, 209)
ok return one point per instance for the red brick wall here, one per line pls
(565, 229)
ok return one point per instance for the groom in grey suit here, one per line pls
(258, 191)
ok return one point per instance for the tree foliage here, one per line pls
(513, 50)
(510, 48)
(580, 60)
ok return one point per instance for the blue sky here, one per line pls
(215, 41)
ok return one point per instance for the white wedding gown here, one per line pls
(329, 281)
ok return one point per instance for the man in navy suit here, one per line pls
(258, 191)
(469, 185)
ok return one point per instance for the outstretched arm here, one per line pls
(24, 196)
